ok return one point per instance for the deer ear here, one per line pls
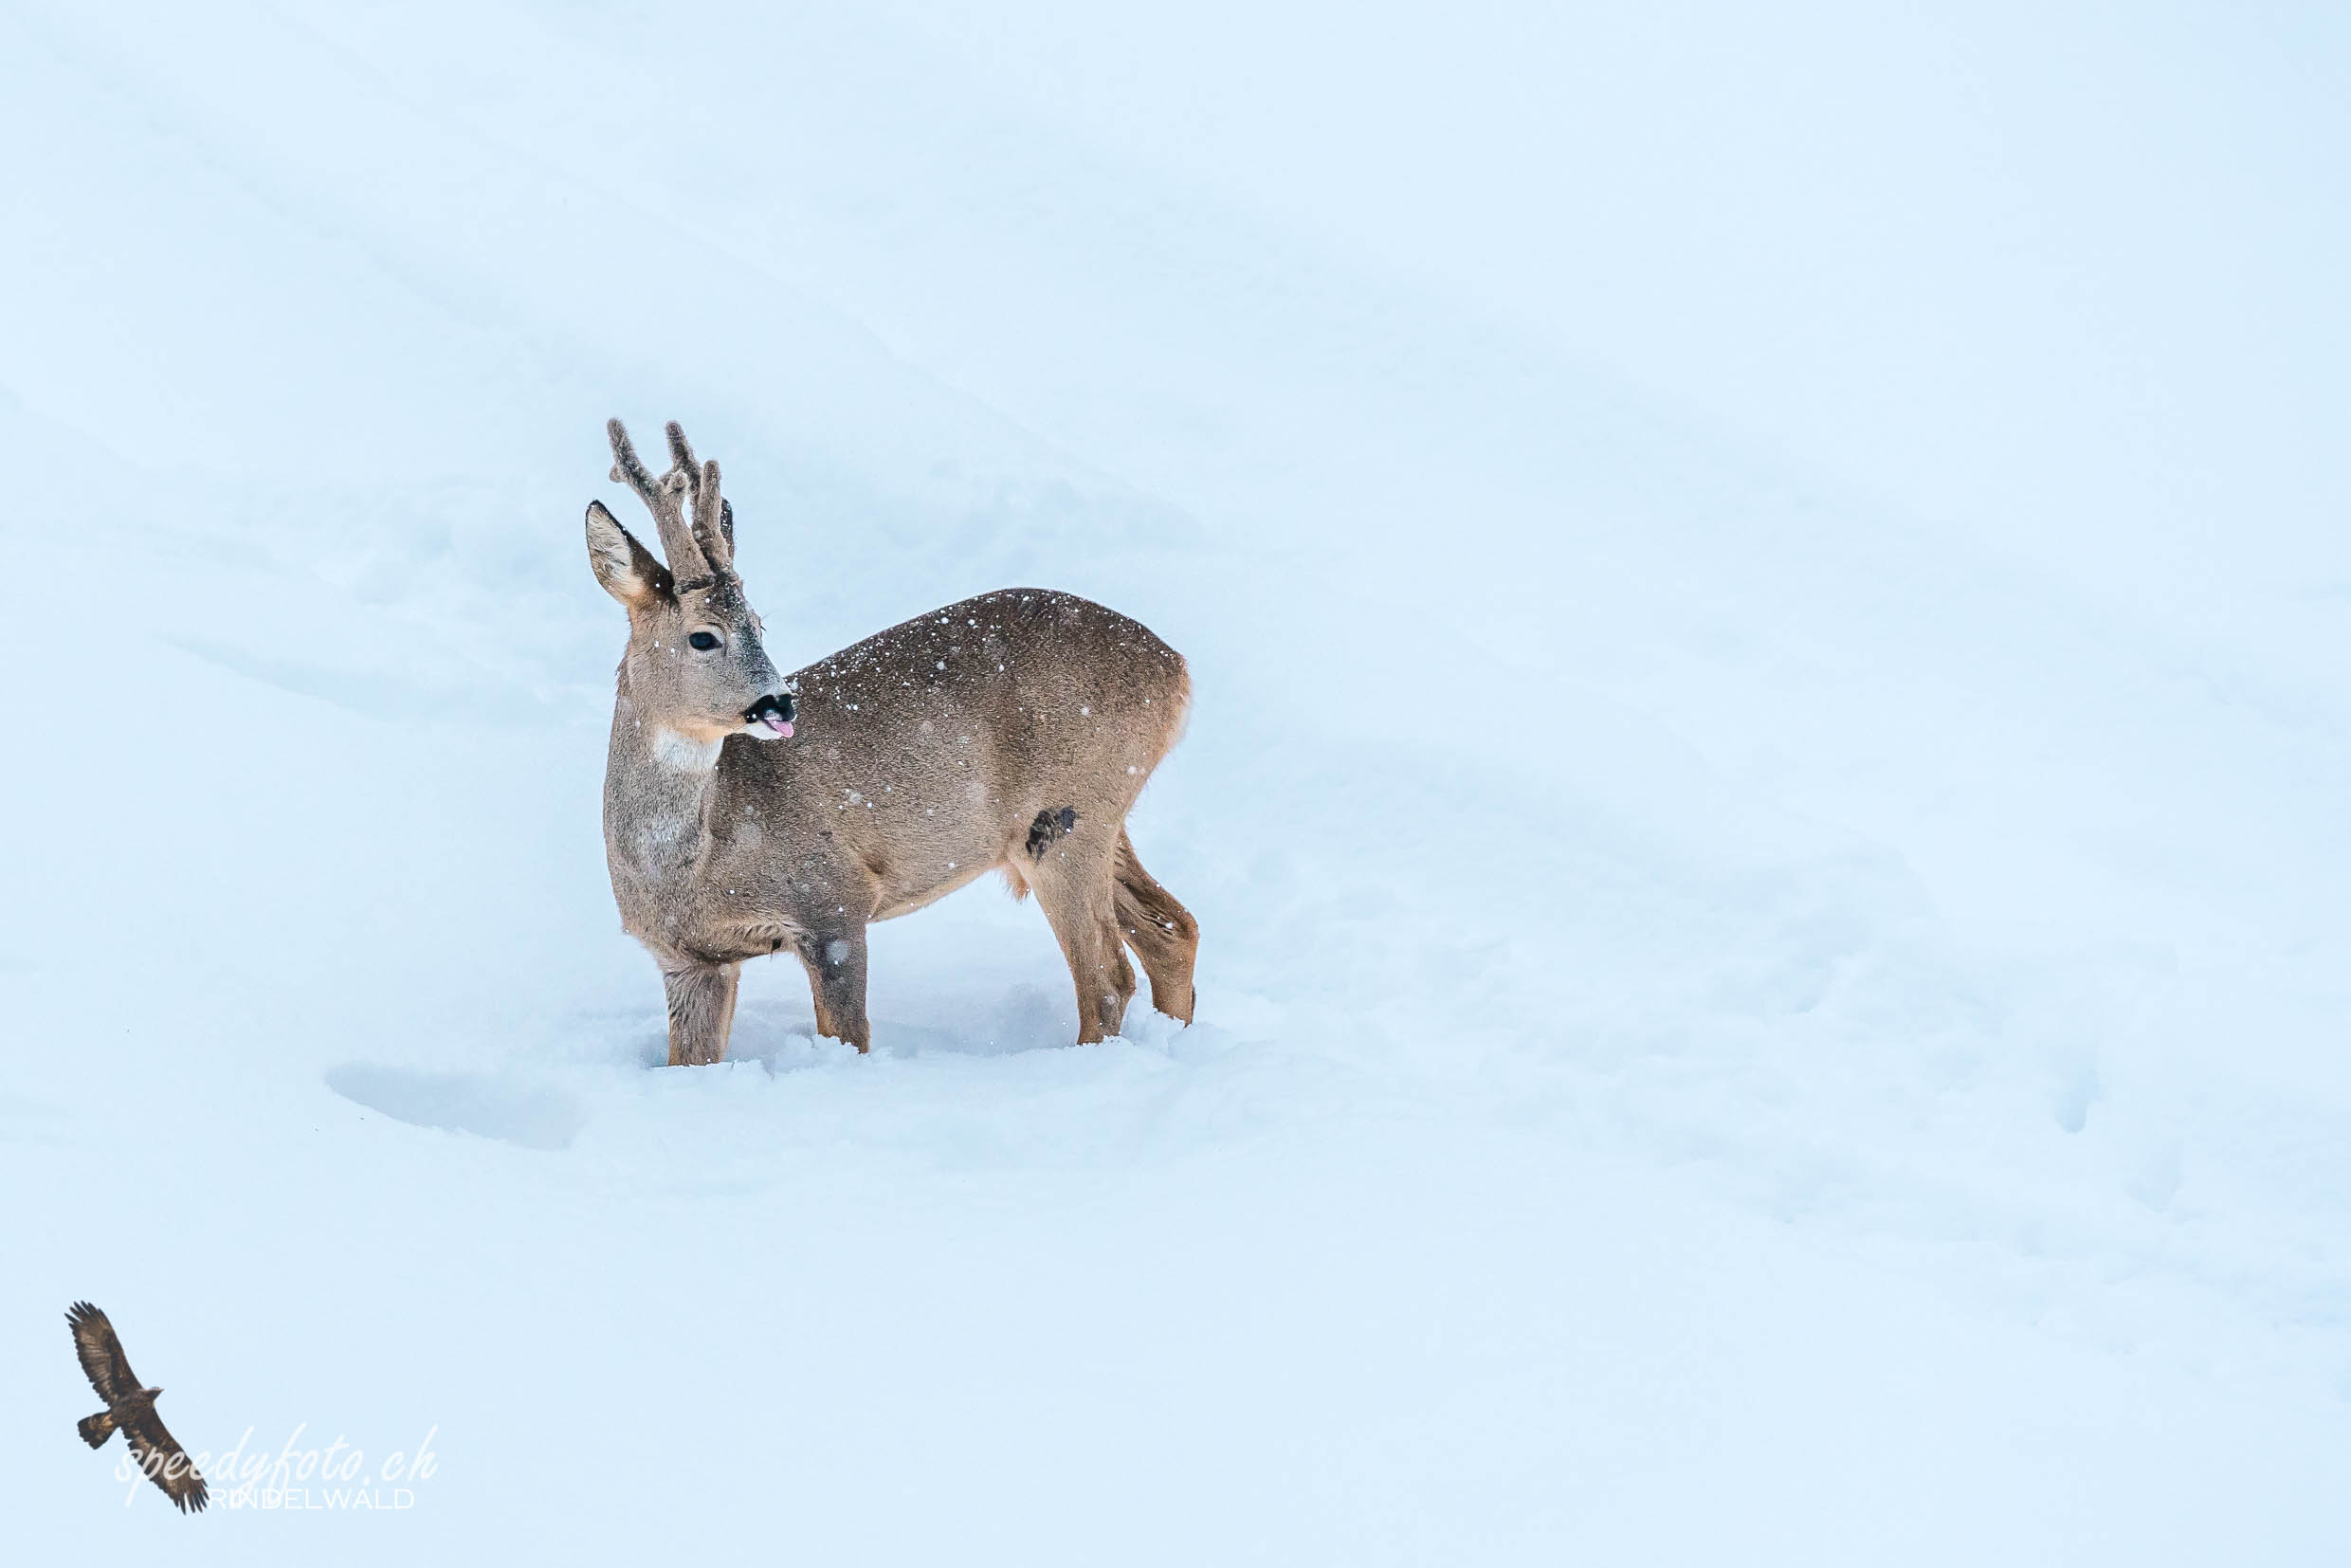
(625, 568)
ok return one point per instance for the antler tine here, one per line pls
(686, 558)
(682, 455)
(714, 520)
(624, 465)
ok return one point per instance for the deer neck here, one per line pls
(659, 786)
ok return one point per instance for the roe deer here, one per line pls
(1010, 732)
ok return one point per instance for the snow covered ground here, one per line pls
(1752, 1010)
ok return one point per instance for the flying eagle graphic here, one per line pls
(132, 1408)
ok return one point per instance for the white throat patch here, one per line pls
(677, 752)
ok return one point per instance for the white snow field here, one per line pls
(1767, 795)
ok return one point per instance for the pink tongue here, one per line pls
(778, 726)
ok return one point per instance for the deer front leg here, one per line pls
(701, 1011)
(836, 962)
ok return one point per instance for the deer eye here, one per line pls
(703, 642)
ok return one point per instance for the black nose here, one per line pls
(780, 706)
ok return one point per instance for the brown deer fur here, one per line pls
(1010, 732)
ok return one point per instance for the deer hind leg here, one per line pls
(836, 962)
(701, 1011)
(1162, 931)
(1073, 882)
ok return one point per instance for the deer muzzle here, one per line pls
(770, 717)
